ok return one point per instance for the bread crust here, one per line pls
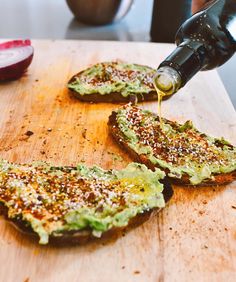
(219, 179)
(115, 97)
(77, 237)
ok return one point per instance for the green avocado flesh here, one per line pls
(53, 200)
(179, 149)
(114, 77)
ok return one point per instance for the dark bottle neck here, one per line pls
(167, 16)
(187, 59)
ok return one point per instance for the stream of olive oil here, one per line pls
(160, 95)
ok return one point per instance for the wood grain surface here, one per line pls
(192, 239)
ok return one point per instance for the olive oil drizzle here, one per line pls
(160, 95)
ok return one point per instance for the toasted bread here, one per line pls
(186, 155)
(114, 82)
(77, 204)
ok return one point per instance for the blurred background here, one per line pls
(53, 19)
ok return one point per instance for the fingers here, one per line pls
(198, 4)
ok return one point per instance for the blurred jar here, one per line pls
(99, 12)
(167, 16)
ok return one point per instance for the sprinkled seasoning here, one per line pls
(59, 198)
(108, 77)
(116, 72)
(180, 148)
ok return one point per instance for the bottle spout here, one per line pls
(167, 80)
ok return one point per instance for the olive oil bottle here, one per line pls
(204, 41)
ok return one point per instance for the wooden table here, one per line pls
(192, 239)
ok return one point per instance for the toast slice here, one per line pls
(76, 204)
(114, 82)
(186, 155)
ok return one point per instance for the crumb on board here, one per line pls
(201, 212)
(29, 133)
(84, 133)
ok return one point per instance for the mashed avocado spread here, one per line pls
(111, 77)
(179, 149)
(53, 200)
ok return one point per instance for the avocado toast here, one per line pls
(114, 82)
(77, 204)
(186, 155)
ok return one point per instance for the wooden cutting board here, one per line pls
(192, 239)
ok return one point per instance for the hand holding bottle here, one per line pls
(205, 41)
(198, 4)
